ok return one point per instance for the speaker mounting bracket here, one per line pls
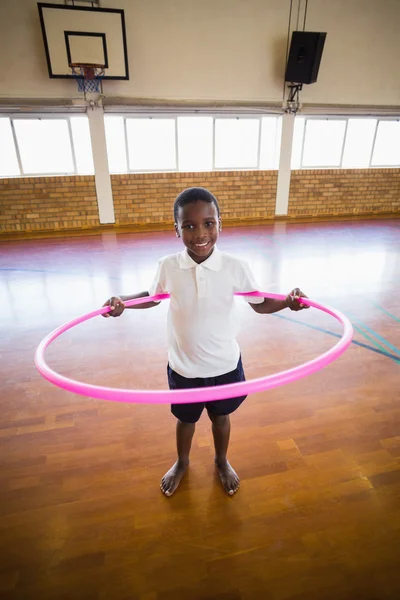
(294, 89)
(292, 104)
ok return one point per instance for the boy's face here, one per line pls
(198, 225)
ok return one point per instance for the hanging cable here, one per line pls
(287, 48)
(298, 14)
(305, 16)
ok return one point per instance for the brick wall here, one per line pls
(56, 203)
(148, 198)
(48, 203)
(344, 191)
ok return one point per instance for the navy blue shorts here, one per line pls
(191, 413)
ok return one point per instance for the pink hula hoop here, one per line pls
(205, 394)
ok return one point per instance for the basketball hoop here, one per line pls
(88, 76)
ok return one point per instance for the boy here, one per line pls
(202, 346)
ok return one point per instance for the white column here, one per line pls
(101, 172)
(283, 187)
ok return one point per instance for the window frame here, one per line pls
(243, 117)
(346, 118)
(214, 115)
(371, 166)
(42, 117)
(174, 116)
(149, 116)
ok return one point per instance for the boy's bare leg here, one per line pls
(171, 479)
(221, 428)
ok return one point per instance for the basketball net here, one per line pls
(89, 77)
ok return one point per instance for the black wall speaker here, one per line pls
(305, 56)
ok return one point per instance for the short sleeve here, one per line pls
(158, 285)
(249, 284)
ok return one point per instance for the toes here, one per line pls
(167, 487)
(232, 486)
(164, 486)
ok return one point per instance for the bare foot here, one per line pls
(229, 478)
(173, 477)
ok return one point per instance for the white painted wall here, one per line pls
(229, 50)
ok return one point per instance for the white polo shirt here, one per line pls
(202, 324)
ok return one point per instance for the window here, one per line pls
(8, 156)
(323, 142)
(191, 143)
(151, 144)
(271, 131)
(236, 143)
(359, 141)
(82, 145)
(347, 143)
(387, 144)
(44, 146)
(195, 143)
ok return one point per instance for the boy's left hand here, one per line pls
(293, 300)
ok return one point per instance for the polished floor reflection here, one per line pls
(316, 517)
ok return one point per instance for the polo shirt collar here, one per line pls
(213, 262)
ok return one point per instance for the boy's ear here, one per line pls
(219, 225)
(176, 230)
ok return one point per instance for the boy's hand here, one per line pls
(117, 307)
(293, 300)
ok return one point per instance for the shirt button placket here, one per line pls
(200, 282)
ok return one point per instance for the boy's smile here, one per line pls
(198, 225)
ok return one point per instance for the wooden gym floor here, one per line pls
(317, 515)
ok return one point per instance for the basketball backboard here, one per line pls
(81, 34)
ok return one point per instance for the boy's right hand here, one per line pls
(117, 307)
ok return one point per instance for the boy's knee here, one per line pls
(219, 420)
(186, 424)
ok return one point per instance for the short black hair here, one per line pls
(191, 195)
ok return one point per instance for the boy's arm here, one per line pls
(139, 295)
(291, 301)
(117, 304)
(269, 306)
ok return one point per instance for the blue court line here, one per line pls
(386, 312)
(362, 325)
(366, 346)
(367, 337)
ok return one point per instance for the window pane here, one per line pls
(115, 140)
(387, 144)
(298, 135)
(359, 140)
(44, 145)
(8, 156)
(271, 131)
(82, 145)
(236, 143)
(151, 144)
(195, 139)
(323, 143)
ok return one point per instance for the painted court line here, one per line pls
(386, 312)
(366, 346)
(376, 335)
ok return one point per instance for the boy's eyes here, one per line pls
(207, 224)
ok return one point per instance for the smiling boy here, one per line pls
(202, 326)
